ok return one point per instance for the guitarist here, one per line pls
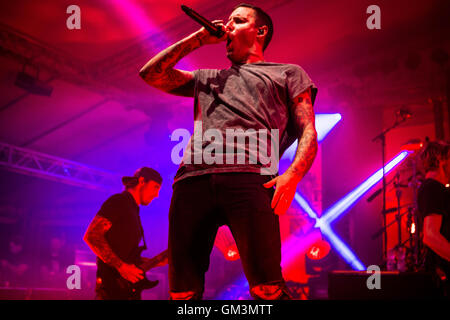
(434, 207)
(116, 232)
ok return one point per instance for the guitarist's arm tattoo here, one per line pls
(95, 238)
(304, 119)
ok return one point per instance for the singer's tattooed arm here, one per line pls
(286, 184)
(159, 72)
(307, 142)
(95, 238)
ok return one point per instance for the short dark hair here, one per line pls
(432, 153)
(262, 19)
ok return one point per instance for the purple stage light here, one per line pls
(323, 222)
(342, 206)
(346, 202)
(139, 19)
(325, 122)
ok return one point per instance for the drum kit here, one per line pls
(406, 254)
(404, 185)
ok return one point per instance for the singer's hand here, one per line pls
(206, 38)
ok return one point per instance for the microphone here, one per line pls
(212, 29)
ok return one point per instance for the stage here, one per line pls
(79, 111)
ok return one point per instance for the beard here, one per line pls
(141, 195)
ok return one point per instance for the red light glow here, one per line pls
(318, 250)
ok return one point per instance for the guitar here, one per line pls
(144, 284)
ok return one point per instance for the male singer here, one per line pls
(252, 94)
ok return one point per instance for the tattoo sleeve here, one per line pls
(159, 72)
(304, 119)
(95, 238)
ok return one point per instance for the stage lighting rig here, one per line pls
(31, 83)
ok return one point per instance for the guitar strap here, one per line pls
(142, 232)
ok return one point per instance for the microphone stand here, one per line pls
(398, 217)
(383, 229)
(382, 137)
(414, 214)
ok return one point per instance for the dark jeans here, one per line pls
(200, 205)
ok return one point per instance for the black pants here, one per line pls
(200, 205)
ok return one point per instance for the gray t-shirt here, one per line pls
(241, 115)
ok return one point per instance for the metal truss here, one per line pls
(57, 169)
(39, 53)
(58, 63)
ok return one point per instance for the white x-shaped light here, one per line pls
(324, 124)
(336, 210)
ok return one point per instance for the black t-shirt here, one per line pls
(126, 231)
(434, 198)
(249, 102)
